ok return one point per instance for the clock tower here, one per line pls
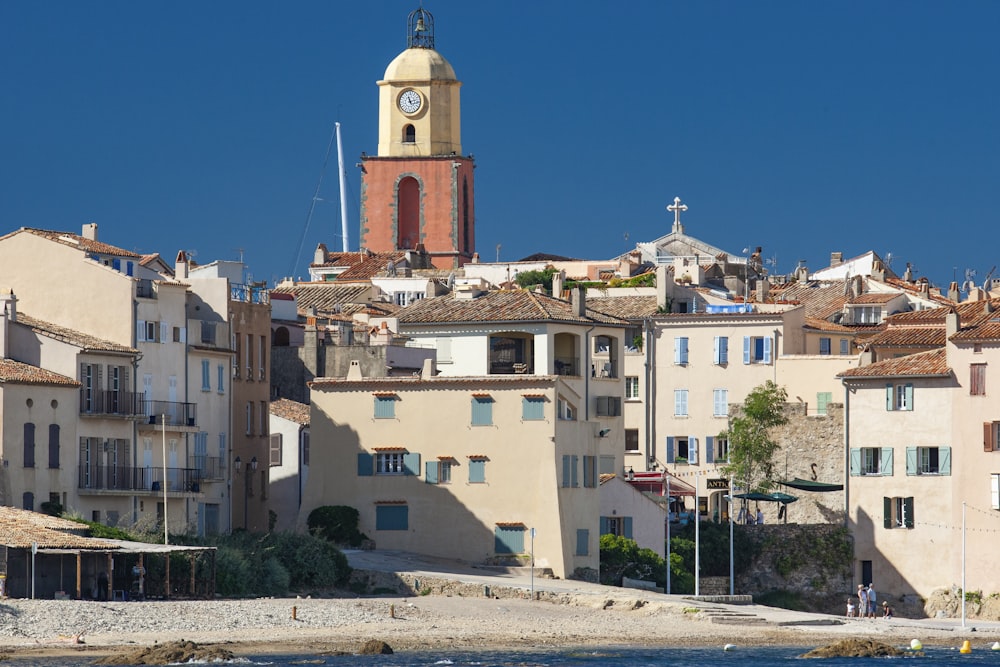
(418, 189)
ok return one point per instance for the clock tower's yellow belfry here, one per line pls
(417, 192)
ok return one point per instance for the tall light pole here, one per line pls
(237, 465)
(166, 531)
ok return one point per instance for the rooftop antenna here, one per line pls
(888, 259)
(498, 252)
(969, 284)
(986, 283)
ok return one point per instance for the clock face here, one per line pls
(409, 101)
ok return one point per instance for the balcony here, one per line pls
(176, 414)
(144, 289)
(567, 366)
(111, 403)
(136, 480)
(249, 294)
(209, 468)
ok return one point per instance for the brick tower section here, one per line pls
(406, 201)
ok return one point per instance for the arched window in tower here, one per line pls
(409, 134)
(466, 241)
(408, 212)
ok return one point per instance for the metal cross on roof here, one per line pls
(677, 207)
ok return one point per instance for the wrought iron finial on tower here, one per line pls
(420, 30)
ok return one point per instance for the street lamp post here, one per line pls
(251, 469)
(166, 530)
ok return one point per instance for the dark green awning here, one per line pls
(776, 497)
(809, 485)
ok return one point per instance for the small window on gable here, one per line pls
(825, 346)
(409, 134)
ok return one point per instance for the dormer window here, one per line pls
(409, 134)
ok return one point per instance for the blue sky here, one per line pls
(801, 127)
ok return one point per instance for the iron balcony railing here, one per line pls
(112, 403)
(176, 414)
(208, 468)
(249, 293)
(127, 478)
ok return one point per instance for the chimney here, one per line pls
(181, 265)
(762, 286)
(987, 307)
(557, 283)
(90, 231)
(578, 299)
(924, 288)
(802, 271)
(953, 294)
(8, 314)
(836, 258)
(427, 371)
(319, 257)
(951, 323)
(857, 286)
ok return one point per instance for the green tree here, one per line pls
(751, 447)
(529, 278)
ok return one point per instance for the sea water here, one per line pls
(937, 656)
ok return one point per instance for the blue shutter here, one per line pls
(767, 350)
(627, 526)
(684, 350)
(206, 379)
(885, 462)
(482, 411)
(130, 271)
(582, 542)
(889, 397)
(670, 449)
(911, 461)
(385, 407)
(855, 461)
(844, 346)
(411, 464)
(392, 517)
(824, 346)
(532, 408)
(909, 396)
(605, 527)
(723, 349)
(944, 460)
(477, 471)
(508, 540)
(709, 449)
(366, 464)
(565, 466)
(575, 468)
(116, 264)
(431, 472)
(747, 344)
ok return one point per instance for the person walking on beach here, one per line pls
(850, 607)
(862, 601)
(872, 605)
(887, 611)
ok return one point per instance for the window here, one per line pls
(845, 346)
(631, 440)
(508, 538)
(582, 542)
(867, 314)
(389, 463)
(897, 512)
(928, 460)
(620, 526)
(28, 501)
(533, 408)
(153, 332)
(438, 472)
(609, 406)
(262, 357)
(238, 346)
(680, 402)
(54, 446)
(29, 445)
(274, 449)
(899, 397)
(482, 411)
(602, 344)
(631, 388)
(823, 398)
(721, 449)
(392, 517)
(824, 346)
(682, 449)
(567, 411)
(721, 346)
(477, 470)
(571, 470)
(409, 135)
(590, 472)
(179, 336)
(756, 350)
(90, 379)
(871, 461)
(220, 385)
(248, 349)
(206, 375)
(680, 350)
(977, 379)
(385, 407)
(720, 402)
(991, 436)
(249, 417)
(264, 414)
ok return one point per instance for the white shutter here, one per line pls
(184, 335)
(140, 331)
(164, 332)
(692, 449)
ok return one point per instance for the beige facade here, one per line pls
(471, 485)
(627, 512)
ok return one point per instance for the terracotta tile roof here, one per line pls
(500, 306)
(874, 297)
(908, 337)
(605, 477)
(985, 328)
(84, 341)
(15, 372)
(327, 297)
(824, 325)
(922, 364)
(625, 307)
(968, 311)
(818, 301)
(76, 241)
(293, 411)
(20, 528)
(914, 289)
(391, 384)
(361, 266)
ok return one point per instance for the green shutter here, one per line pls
(885, 462)
(908, 519)
(482, 411)
(823, 399)
(627, 526)
(886, 512)
(911, 461)
(431, 472)
(366, 465)
(582, 542)
(709, 449)
(889, 405)
(385, 407)
(909, 396)
(508, 540)
(944, 460)
(411, 464)
(855, 461)
(605, 527)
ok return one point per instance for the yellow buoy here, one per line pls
(729, 647)
(996, 646)
(966, 647)
(915, 645)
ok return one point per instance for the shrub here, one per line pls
(336, 523)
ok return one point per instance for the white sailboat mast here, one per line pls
(343, 191)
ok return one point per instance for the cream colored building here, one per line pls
(922, 461)
(461, 467)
